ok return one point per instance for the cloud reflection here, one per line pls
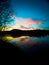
(24, 41)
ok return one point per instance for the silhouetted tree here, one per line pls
(5, 11)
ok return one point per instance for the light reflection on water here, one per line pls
(27, 43)
(31, 39)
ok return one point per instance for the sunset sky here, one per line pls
(30, 14)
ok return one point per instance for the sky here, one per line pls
(34, 10)
(30, 13)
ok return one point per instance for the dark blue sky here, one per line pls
(35, 9)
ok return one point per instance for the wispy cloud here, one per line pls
(27, 22)
(24, 22)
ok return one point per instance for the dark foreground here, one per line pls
(9, 49)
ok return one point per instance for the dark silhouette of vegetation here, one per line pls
(5, 11)
(31, 33)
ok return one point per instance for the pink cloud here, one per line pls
(33, 22)
(29, 22)
(25, 21)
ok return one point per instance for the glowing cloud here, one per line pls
(24, 23)
(28, 22)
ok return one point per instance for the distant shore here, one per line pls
(17, 33)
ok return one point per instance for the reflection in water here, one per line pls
(26, 43)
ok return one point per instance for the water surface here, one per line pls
(27, 43)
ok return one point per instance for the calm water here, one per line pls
(29, 44)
